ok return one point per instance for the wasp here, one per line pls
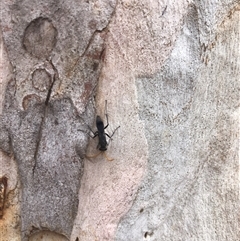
(102, 135)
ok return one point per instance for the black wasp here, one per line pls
(102, 140)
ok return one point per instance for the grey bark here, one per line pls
(170, 73)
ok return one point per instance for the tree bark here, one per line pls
(170, 75)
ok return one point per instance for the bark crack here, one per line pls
(45, 114)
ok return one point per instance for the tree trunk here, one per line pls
(169, 71)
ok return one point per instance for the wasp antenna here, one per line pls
(93, 156)
(108, 158)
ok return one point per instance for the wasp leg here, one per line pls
(94, 133)
(110, 137)
(109, 159)
(112, 133)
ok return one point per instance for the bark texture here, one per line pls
(54, 49)
(170, 73)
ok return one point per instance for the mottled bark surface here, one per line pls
(191, 112)
(170, 73)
